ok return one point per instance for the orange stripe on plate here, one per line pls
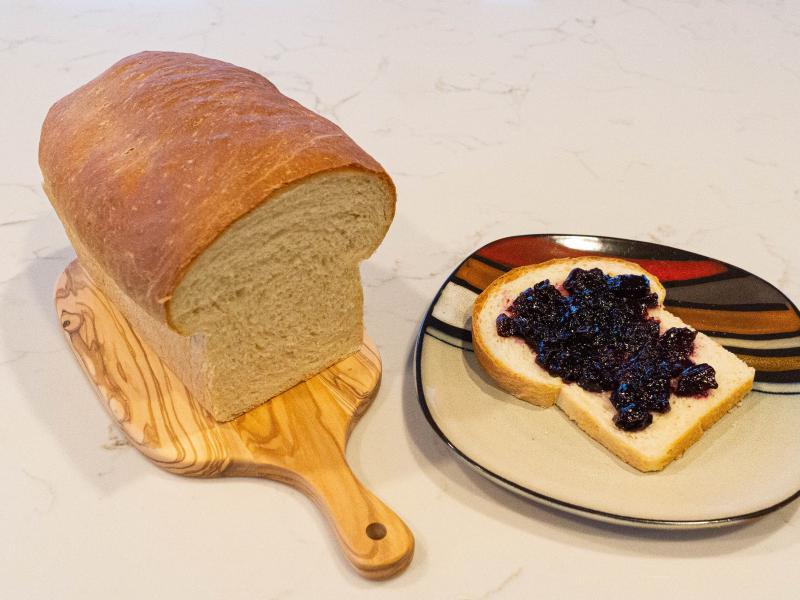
(772, 363)
(478, 273)
(739, 321)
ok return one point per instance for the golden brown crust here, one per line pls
(540, 393)
(642, 462)
(536, 392)
(183, 354)
(152, 160)
(582, 417)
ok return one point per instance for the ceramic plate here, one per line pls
(745, 466)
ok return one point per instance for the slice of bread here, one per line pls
(511, 363)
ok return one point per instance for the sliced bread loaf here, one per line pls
(224, 219)
(510, 361)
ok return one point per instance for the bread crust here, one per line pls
(578, 413)
(150, 162)
(540, 393)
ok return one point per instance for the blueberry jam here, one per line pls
(598, 334)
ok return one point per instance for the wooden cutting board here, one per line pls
(298, 437)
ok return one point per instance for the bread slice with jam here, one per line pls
(511, 362)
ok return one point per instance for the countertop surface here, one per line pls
(673, 122)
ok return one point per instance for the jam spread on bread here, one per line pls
(596, 332)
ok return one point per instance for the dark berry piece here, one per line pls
(656, 397)
(506, 326)
(586, 333)
(677, 343)
(696, 379)
(673, 368)
(624, 394)
(632, 417)
(651, 300)
(630, 286)
(580, 281)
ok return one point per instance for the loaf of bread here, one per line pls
(511, 363)
(225, 220)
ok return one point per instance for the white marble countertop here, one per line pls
(676, 122)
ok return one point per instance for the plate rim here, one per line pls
(569, 507)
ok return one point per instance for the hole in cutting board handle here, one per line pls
(376, 531)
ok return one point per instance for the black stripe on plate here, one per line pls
(778, 376)
(796, 393)
(444, 341)
(768, 352)
(465, 284)
(491, 263)
(755, 307)
(733, 274)
(451, 330)
(752, 336)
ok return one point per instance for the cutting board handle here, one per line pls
(321, 412)
(374, 539)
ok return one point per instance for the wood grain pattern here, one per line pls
(298, 437)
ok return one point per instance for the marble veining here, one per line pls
(47, 493)
(498, 589)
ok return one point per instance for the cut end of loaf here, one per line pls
(511, 363)
(277, 297)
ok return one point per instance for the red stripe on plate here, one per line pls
(681, 270)
(515, 252)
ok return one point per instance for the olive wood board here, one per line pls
(297, 437)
